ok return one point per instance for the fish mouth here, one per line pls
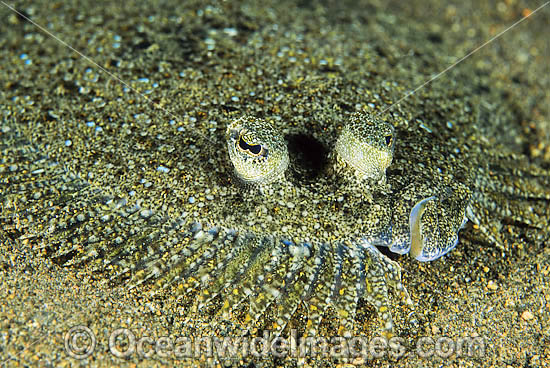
(426, 246)
(415, 225)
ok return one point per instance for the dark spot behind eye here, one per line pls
(255, 149)
(389, 139)
(308, 157)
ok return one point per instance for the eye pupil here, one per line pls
(388, 140)
(255, 149)
(242, 144)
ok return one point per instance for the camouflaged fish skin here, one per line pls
(270, 249)
(257, 151)
(92, 174)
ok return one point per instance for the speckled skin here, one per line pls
(311, 242)
(258, 152)
(365, 146)
(307, 240)
(352, 266)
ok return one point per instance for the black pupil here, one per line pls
(255, 149)
(388, 140)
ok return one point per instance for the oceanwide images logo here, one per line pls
(81, 342)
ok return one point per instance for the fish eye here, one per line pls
(249, 140)
(365, 147)
(254, 149)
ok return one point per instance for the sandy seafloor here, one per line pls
(475, 291)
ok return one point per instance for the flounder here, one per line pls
(279, 203)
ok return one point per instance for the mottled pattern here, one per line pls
(365, 145)
(90, 177)
(257, 150)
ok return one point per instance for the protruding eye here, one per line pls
(257, 150)
(365, 145)
(254, 149)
